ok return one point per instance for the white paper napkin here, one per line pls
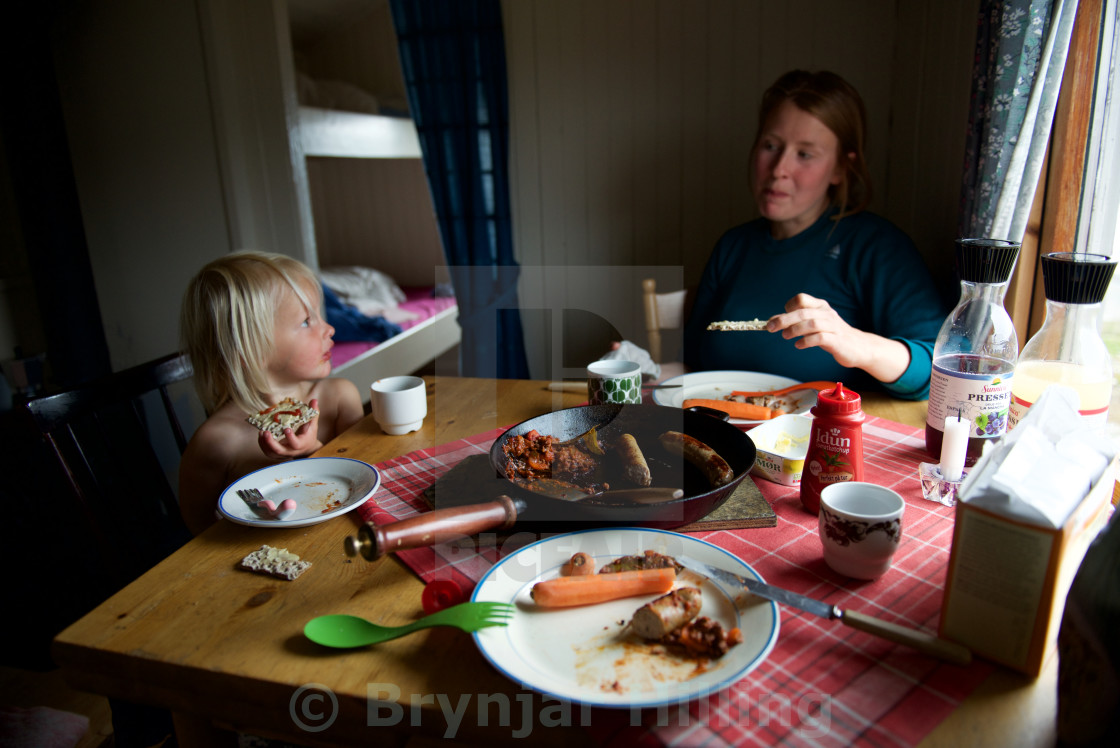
(1040, 471)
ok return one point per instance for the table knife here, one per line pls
(919, 640)
(581, 387)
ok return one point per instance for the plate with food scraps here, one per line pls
(718, 385)
(322, 487)
(590, 654)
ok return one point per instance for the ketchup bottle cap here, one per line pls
(839, 400)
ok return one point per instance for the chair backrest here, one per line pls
(663, 311)
(104, 437)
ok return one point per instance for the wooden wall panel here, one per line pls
(376, 212)
(631, 124)
(360, 49)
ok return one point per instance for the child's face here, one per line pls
(301, 341)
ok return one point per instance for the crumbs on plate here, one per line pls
(275, 562)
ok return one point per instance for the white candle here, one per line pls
(953, 448)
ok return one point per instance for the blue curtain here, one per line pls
(1017, 69)
(453, 58)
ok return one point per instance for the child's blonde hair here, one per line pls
(227, 322)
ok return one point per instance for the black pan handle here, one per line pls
(431, 528)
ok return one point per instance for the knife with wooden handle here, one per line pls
(580, 388)
(928, 643)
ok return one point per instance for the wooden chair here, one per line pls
(663, 311)
(104, 437)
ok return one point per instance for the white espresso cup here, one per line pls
(399, 404)
(860, 527)
(614, 381)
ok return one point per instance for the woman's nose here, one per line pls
(781, 163)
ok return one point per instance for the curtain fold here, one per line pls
(1021, 48)
(453, 59)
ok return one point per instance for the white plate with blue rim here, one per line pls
(322, 487)
(587, 655)
(717, 385)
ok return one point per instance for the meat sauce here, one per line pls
(535, 456)
(704, 637)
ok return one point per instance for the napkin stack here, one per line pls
(1043, 468)
(1024, 518)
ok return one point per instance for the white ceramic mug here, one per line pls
(399, 404)
(860, 526)
(614, 381)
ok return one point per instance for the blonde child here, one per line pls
(253, 326)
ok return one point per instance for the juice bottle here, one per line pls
(1068, 348)
(976, 349)
(835, 452)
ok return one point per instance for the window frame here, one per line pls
(1057, 206)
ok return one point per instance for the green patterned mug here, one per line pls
(614, 381)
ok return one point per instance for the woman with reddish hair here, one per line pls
(857, 303)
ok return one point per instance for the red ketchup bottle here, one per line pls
(835, 451)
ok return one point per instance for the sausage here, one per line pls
(635, 467)
(714, 467)
(667, 613)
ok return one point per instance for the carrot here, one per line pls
(564, 592)
(749, 411)
(579, 565)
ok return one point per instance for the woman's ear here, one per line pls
(842, 169)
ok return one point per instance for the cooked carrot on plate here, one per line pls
(566, 592)
(747, 411)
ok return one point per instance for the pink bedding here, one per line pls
(419, 300)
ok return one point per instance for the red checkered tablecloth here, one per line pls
(824, 684)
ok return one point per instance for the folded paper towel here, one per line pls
(1042, 469)
(628, 351)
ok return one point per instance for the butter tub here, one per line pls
(781, 444)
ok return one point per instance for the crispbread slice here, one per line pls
(738, 325)
(288, 413)
(276, 562)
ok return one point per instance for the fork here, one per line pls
(346, 631)
(258, 503)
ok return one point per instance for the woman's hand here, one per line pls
(296, 442)
(819, 326)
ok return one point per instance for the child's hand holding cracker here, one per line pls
(298, 438)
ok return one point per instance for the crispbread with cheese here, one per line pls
(276, 562)
(738, 325)
(288, 413)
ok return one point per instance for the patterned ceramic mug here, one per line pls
(614, 381)
(860, 526)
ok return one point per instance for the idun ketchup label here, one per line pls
(835, 451)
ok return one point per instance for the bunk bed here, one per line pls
(371, 208)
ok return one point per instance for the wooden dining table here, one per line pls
(223, 648)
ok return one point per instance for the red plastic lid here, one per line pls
(838, 401)
(440, 594)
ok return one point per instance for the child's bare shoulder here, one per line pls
(337, 386)
(225, 432)
(340, 403)
(334, 393)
